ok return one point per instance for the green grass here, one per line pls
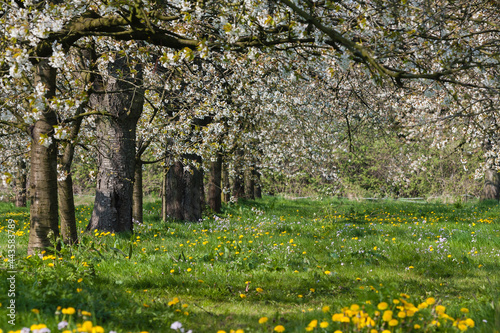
(303, 254)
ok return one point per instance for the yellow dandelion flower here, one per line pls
(464, 310)
(279, 328)
(68, 311)
(243, 295)
(440, 309)
(387, 316)
(382, 306)
(263, 320)
(313, 323)
(469, 322)
(37, 327)
(325, 309)
(259, 290)
(423, 305)
(338, 317)
(430, 300)
(86, 326)
(324, 324)
(393, 322)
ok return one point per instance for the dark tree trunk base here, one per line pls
(214, 185)
(183, 193)
(137, 208)
(67, 211)
(116, 146)
(491, 189)
(44, 222)
(21, 184)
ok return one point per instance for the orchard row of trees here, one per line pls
(234, 89)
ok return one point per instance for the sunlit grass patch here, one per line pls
(278, 259)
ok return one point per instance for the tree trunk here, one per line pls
(214, 184)
(226, 185)
(239, 177)
(238, 186)
(491, 189)
(174, 192)
(184, 196)
(21, 184)
(163, 193)
(67, 210)
(137, 197)
(116, 146)
(194, 197)
(249, 184)
(257, 187)
(65, 183)
(65, 186)
(43, 176)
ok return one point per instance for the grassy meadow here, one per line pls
(271, 265)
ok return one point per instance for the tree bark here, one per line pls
(238, 186)
(184, 197)
(116, 134)
(67, 210)
(239, 177)
(174, 192)
(214, 184)
(163, 193)
(137, 200)
(43, 176)
(491, 189)
(194, 197)
(21, 184)
(249, 184)
(257, 187)
(65, 183)
(226, 183)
